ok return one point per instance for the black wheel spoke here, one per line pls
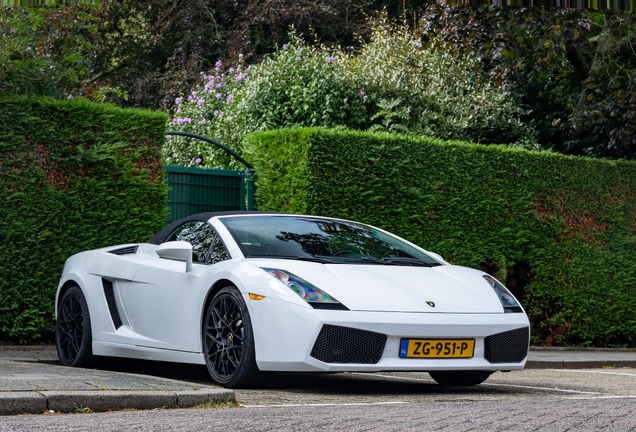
(70, 328)
(224, 337)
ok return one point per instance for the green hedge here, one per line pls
(73, 176)
(559, 231)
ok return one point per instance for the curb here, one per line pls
(31, 402)
(582, 364)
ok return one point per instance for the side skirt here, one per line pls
(112, 349)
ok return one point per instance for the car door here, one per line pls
(161, 300)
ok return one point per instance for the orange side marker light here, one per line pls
(256, 296)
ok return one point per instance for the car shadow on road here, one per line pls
(325, 383)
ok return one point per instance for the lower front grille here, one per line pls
(336, 344)
(507, 347)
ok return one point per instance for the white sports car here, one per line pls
(247, 293)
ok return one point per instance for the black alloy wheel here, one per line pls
(228, 341)
(460, 378)
(73, 330)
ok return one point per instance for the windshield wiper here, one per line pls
(318, 259)
(408, 261)
(351, 259)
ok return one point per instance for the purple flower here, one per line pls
(13, 30)
(48, 56)
(28, 48)
(189, 98)
(240, 77)
(216, 113)
(219, 85)
(229, 98)
(179, 109)
(51, 67)
(218, 63)
(285, 46)
(198, 160)
(240, 56)
(203, 121)
(329, 59)
(361, 93)
(168, 137)
(200, 102)
(297, 58)
(231, 70)
(177, 100)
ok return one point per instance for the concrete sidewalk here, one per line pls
(31, 381)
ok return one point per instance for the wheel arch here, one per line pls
(218, 286)
(65, 287)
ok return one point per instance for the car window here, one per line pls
(207, 246)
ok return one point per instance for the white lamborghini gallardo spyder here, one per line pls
(248, 293)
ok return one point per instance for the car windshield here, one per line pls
(322, 240)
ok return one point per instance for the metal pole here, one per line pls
(249, 177)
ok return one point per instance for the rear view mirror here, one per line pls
(177, 251)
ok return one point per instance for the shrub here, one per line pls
(393, 84)
(73, 176)
(560, 231)
(297, 85)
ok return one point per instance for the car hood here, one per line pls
(392, 288)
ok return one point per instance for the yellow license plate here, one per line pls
(437, 348)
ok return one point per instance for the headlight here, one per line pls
(508, 301)
(313, 295)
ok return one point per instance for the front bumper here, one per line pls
(285, 335)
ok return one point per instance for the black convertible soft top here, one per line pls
(162, 235)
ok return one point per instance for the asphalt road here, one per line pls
(550, 400)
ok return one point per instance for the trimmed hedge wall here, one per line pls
(74, 175)
(559, 231)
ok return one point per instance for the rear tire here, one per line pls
(73, 334)
(460, 378)
(228, 341)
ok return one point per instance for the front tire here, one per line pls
(73, 334)
(228, 341)
(460, 378)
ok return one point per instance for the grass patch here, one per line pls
(219, 404)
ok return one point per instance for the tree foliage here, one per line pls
(144, 54)
(574, 69)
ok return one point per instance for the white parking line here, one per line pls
(325, 404)
(556, 389)
(596, 372)
(601, 397)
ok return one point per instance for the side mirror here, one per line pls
(177, 251)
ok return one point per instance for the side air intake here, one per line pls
(112, 305)
(125, 250)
